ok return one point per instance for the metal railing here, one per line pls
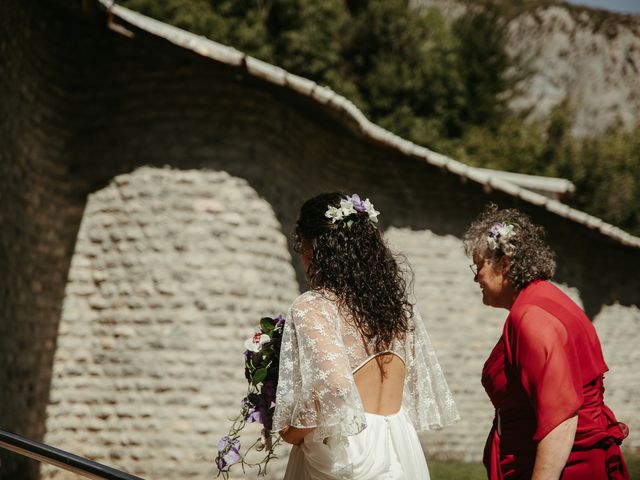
(47, 454)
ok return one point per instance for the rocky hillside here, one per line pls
(590, 58)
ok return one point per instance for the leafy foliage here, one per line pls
(442, 84)
(606, 171)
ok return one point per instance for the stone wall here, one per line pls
(39, 215)
(192, 174)
(171, 273)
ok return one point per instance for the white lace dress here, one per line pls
(320, 352)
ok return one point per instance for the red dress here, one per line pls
(547, 366)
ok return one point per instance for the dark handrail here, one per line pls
(54, 456)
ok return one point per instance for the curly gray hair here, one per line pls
(531, 258)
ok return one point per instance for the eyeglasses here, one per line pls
(475, 268)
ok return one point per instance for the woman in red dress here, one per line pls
(545, 374)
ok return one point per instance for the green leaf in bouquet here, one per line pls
(250, 367)
(259, 376)
(267, 324)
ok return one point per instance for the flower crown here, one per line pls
(499, 237)
(351, 205)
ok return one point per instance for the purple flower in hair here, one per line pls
(499, 237)
(495, 229)
(357, 203)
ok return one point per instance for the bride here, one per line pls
(358, 376)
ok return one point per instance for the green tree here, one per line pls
(513, 145)
(403, 65)
(241, 24)
(307, 36)
(606, 172)
(488, 71)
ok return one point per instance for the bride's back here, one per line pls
(378, 377)
(380, 383)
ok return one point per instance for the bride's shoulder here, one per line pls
(313, 297)
(313, 301)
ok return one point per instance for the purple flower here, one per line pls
(254, 415)
(495, 229)
(279, 322)
(357, 203)
(228, 452)
(261, 406)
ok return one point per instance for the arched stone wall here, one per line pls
(172, 271)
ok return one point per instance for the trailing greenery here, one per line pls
(442, 84)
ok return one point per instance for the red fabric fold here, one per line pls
(492, 455)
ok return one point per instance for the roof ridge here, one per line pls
(355, 118)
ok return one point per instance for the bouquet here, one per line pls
(261, 364)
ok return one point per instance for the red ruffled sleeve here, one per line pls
(543, 354)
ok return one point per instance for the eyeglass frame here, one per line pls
(475, 268)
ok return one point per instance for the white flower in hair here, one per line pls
(372, 212)
(505, 231)
(335, 214)
(352, 205)
(499, 237)
(347, 207)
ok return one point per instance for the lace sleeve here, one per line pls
(427, 398)
(315, 386)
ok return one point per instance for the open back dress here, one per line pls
(321, 351)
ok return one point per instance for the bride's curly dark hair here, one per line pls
(351, 260)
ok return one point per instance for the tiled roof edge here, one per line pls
(353, 117)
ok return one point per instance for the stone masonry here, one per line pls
(147, 198)
(171, 272)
